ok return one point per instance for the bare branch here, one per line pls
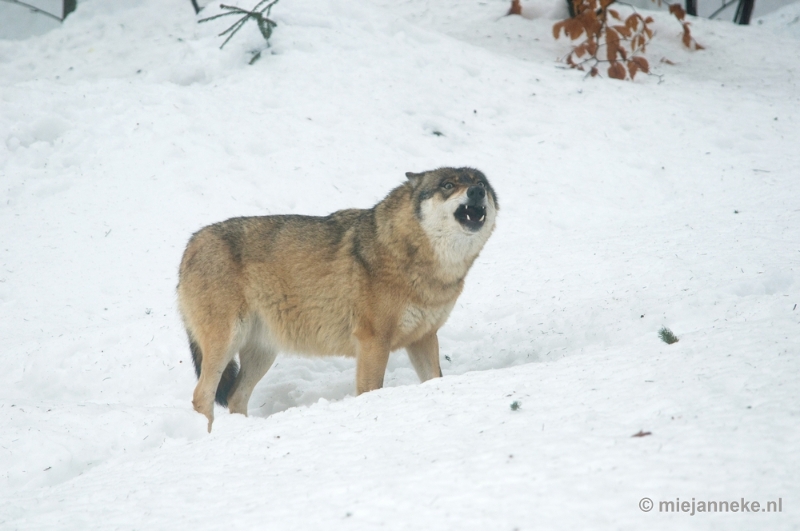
(265, 24)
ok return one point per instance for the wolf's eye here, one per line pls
(447, 186)
(482, 184)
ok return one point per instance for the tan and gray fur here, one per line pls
(357, 283)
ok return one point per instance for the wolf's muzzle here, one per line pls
(472, 214)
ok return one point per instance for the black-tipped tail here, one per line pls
(226, 383)
(228, 375)
(197, 356)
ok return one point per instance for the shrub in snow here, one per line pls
(259, 13)
(608, 38)
(667, 336)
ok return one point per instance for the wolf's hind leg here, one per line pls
(256, 358)
(218, 346)
(424, 356)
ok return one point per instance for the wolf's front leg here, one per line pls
(371, 360)
(424, 356)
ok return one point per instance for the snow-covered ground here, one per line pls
(625, 207)
(20, 22)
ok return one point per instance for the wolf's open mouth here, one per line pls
(471, 216)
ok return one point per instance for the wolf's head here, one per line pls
(456, 208)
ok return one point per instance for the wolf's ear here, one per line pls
(415, 178)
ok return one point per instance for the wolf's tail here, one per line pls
(228, 375)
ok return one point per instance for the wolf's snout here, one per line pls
(476, 193)
(471, 216)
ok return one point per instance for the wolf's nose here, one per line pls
(476, 192)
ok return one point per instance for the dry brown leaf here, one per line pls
(573, 28)
(623, 30)
(616, 71)
(677, 10)
(641, 63)
(632, 68)
(557, 27)
(612, 44)
(592, 24)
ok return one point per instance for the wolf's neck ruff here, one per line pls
(457, 232)
(454, 248)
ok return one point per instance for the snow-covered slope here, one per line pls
(625, 207)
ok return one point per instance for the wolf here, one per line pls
(360, 283)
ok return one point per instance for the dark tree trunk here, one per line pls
(571, 7)
(691, 7)
(69, 7)
(195, 6)
(743, 12)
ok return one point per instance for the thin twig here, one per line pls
(721, 9)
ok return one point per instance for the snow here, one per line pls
(725, 10)
(20, 22)
(625, 207)
(784, 21)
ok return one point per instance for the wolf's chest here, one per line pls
(418, 320)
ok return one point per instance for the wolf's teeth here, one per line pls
(468, 218)
(482, 217)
